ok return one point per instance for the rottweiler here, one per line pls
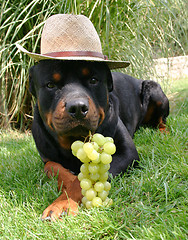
(75, 97)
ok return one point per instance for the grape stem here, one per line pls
(89, 136)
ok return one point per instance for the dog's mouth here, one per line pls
(74, 128)
(66, 138)
(79, 131)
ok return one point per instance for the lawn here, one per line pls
(151, 202)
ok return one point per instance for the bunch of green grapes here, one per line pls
(96, 156)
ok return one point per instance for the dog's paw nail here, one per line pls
(46, 219)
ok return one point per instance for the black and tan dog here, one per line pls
(75, 97)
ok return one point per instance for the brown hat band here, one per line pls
(77, 54)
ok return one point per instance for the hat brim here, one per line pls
(111, 64)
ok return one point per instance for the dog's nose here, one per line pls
(77, 108)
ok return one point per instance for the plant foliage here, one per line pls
(137, 31)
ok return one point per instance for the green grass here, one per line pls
(149, 203)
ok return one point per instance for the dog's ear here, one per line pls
(109, 80)
(31, 81)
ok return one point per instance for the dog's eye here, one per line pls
(93, 81)
(50, 85)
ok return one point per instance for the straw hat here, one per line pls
(71, 37)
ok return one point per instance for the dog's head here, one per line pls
(72, 96)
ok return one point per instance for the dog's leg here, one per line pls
(71, 192)
(155, 105)
(126, 154)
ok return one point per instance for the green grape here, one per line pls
(94, 176)
(84, 200)
(109, 148)
(103, 167)
(76, 145)
(97, 202)
(103, 177)
(86, 160)
(97, 160)
(74, 153)
(81, 154)
(88, 147)
(93, 168)
(88, 204)
(99, 186)
(107, 186)
(107, 202)
(95, 146)
(84, 169)
(99, 139)
(85, 184)
(105, 158)
(109, 139)
(90, 194)
(94, 155)
(81, 176)
(83, 192)
(103, 195)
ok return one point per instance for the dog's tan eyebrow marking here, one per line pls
(56, 77)
(85, 72)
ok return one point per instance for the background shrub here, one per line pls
(138, 31)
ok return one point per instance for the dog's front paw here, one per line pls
(54, 211)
